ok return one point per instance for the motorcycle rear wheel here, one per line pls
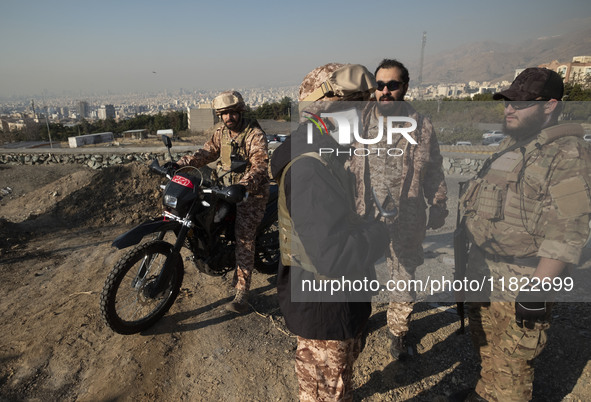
(126, 304)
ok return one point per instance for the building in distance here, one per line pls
(202, 118)
(106, 112)
(576, 71)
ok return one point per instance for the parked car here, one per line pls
(463, 143)
(494, 139)
(491, 133)
(272, 138)
(282, 137)
(587, 137)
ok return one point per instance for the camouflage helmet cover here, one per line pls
(335, 79)
(228, 100)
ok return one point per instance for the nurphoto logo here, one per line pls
(347, 129)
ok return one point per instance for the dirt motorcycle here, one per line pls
(199, 214)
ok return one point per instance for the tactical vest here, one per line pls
(503, 205)
(290, 245)
(233, 149)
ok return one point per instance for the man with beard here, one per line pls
(410, 178)
(237, 138)
(527, 214)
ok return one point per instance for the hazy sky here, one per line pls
(78, 45)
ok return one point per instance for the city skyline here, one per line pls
(70, 47)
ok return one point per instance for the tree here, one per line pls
(576, 92)
(276, 111)
(483, 97)
(109, 125)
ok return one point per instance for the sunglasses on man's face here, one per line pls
(520, 105)
(392, 85)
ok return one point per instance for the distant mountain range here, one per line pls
(492, 61)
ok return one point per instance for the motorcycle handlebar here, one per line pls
(155, 167)
(233, 194)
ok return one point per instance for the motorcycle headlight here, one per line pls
(170, 201)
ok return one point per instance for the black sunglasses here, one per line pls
(520, 105)
(392, 85)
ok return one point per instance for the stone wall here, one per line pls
(93, 160)
(464, 164)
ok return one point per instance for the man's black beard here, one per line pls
(390, 108)
(238, 125)
(528, 127)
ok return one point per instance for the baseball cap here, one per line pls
(532, 83)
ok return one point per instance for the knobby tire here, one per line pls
(126, 306)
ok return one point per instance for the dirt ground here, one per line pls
(57, 223)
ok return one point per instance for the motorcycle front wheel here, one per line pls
(267, 254)
(128, 305)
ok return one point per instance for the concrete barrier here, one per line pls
(89, 139)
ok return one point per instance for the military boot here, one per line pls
(240, 303)
(398, 349)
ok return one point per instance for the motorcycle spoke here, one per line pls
(140, 276)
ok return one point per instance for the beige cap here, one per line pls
(334, 79)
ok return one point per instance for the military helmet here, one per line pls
(228, 100)
(334, 79)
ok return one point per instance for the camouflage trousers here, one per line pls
(506, 351)
(248, 217)
(325, 368)
(401, 303)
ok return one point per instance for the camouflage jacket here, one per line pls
(253, 148)
(534, 201)
(415, 179)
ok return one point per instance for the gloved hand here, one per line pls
(437, 215)
(171, 165)
(234, 193)
(530, 307)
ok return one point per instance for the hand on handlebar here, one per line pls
(171, 165)
(234, 193)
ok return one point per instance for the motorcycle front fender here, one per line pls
(135, 235)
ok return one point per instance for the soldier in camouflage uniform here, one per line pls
(414, 178)
(527, 214)
(239, 138)
(332, 240)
